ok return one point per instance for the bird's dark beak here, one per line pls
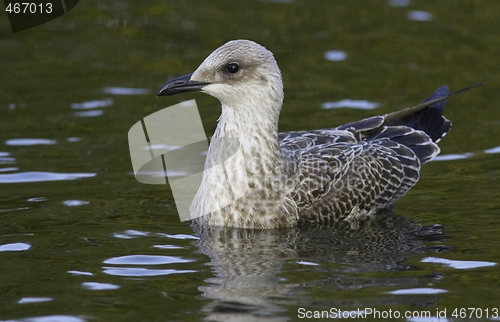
(181, 84)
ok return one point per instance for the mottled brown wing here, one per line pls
(345, 177)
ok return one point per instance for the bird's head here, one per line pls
(238, 71)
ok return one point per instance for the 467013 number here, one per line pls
(29, 7)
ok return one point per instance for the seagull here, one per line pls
(348, 172)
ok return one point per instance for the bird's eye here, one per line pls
(233, 68)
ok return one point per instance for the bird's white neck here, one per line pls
(247, 128)
(257, 133)
(251, 117)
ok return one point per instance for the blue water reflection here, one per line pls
(14, 247)
(456, 156)
(419, 15)
(89, 113)
(348, 103)
(146, 260)
(92, 104)
(29, 141)
(143, 272)
(458, 264)
(95, 286)
(27, 300)
(126, 91)
(39, 176)
(420, 290)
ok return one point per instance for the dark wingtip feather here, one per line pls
(440, 92)
(430, 119)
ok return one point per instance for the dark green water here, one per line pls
(82, 240)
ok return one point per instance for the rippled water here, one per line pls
(82, 240)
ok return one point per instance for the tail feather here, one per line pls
(419, 127)
(430, 119)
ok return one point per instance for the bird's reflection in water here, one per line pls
(248, 264)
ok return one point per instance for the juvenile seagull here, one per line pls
(343, 173)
